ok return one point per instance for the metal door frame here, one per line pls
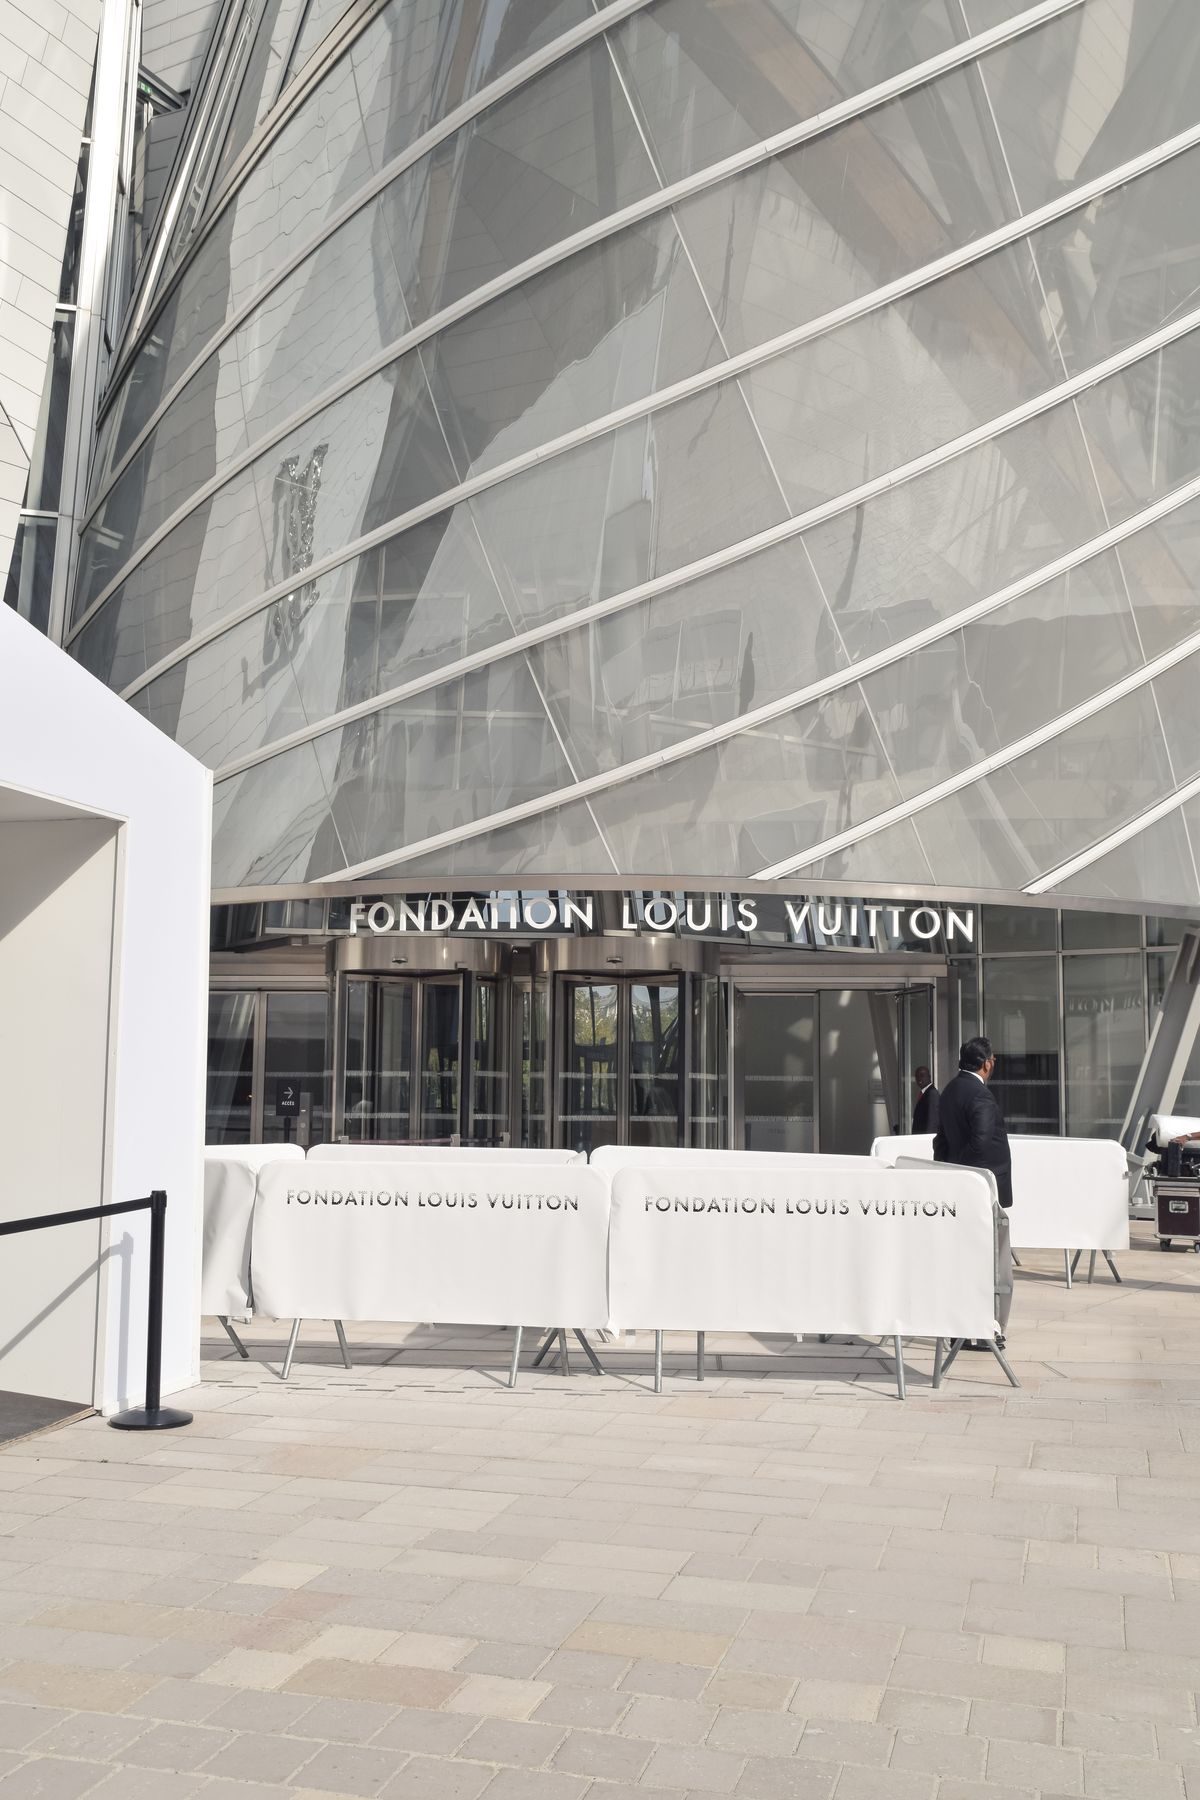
(624, 981)
(898, 992)
(261, 993)
(416, 982)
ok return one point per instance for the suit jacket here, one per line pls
(971, 1131)
(925, 1112)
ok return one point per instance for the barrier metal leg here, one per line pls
(1091, 1268)
(938, 1351)
(1108, 1257)
(233, 1337)
(901, 1390)
(699, 1356)
(548, 1341)
(597, 1368)
(342, 1344)
(1000, 1357)
(566, 1354)
(516, 1358)
(1016, 1259)
(658, 1347)
(953, 1351)
(154, 1416)
(1067, 1265)
(291, 1349)
(1075, 1260)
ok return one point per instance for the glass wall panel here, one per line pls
(1019, 928)
(1020, 1015)
(817, 227)
(1158, 970)
(320, 17)
(1101, 931)
(1051, 803)
(531, 169)
(1153, 868)
(264, 68)
(711, 79)
(1104, 1027)
(1090, 89)
(631, 505)
(589, 1077)
(442, 758)
(296, 1070)
(1142, 429)
(596, 332)
(883, 389)
(972, 693)
(754, 799)
(228, 1115)
(925, 549)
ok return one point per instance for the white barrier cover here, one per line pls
(230, 1182)
(612, 1157)
(1068, 1193)
(1165, 1126)
(868, 1251)
(464, 1153)
(514, 1244)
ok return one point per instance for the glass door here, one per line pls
(402, 1081)
(589, 1073)
(268, 1067)
(438, 1095)
(775, 1049)
(295, 1085)
(655, 1085)
(621, 1062)
(489, 1122)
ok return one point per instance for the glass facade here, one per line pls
(675, 440)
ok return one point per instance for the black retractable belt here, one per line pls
(154, 1416)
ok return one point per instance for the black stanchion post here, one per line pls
(154, 1416)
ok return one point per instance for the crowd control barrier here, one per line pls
(408, 1241)
(153, 1416)
(691, 1240)
(870, 1252)
(230, 1184)
(1069, 1194)
(452, 1153)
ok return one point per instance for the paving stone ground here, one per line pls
(406, 1581)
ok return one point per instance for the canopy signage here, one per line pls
(803, 919)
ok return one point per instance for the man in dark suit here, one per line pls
(925, 1111)
(971, 1132)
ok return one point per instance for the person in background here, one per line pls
(971, 1132)
(925, 1111)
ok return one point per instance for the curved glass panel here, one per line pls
(281, 449)
(393, 82)
(636, 503)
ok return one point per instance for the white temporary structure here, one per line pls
(104, 895)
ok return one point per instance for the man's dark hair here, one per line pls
(974, 1053)
(922, 1071)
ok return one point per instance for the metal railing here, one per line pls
(153, 1416)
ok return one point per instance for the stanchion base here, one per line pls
(162, 1418)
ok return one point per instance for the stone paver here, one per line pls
(405, 1581)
